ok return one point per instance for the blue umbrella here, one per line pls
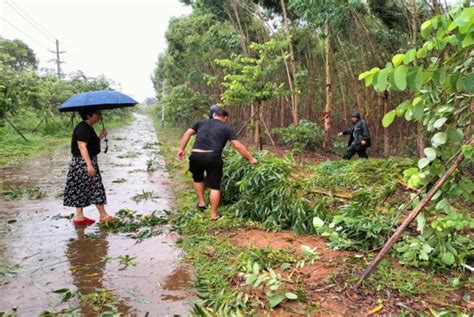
(100, 100)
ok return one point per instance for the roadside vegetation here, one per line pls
(29, 120)
(338, 215)
(298, 229)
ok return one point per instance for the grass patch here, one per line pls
(57, 132)
(23, 192)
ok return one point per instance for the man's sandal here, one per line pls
(202, 208)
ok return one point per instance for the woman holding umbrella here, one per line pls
(84, 185)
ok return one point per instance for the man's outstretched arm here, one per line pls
(184, 142)
(243, 150)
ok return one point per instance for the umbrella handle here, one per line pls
(105, 139)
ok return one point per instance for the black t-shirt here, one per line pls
(212, 134)
(85, 133)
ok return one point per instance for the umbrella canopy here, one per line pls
(102, 100)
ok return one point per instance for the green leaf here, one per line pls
(364, 75)
(430, 153)
(276, 300)
(439, 138)
(400, 77)
(401, 108)
(448, 258)
(318, 222)
(455, 136)
(409, 56)
(440, 76)
(442, 204)
(427, 248)
(420, 222)
(426, 28)
(410, 172)
(290, 295)
(380, 80)
(285, 266)
(397, 59)
(415, 78)
(422, 163)
(468, 40)
(469, 84)
(256, 268)
(439, 123)
(418, 111)
(388, 119)
(250, 279)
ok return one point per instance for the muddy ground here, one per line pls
(53, 254)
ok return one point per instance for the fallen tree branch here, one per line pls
(328, 193)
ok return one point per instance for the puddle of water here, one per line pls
(53, 254)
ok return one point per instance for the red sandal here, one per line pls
(84, 222)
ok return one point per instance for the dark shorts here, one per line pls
(209, 163)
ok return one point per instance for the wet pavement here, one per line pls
(54, 255)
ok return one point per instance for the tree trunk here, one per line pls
(294, 93)
(436, 7)
(328, 110)
(257, 125)
(386, 134)
(420, 142)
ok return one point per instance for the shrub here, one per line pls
(307, 135)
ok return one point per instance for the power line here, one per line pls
(26, 34)
(30, 20)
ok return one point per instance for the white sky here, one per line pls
(118, 38)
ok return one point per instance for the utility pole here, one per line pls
(163, 106)
(57, 60)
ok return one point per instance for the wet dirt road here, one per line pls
(54, 255)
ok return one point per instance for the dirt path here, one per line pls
(54, 255)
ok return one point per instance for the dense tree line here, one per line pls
(29, 97)
(319, 49)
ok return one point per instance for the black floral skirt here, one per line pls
(83, 190)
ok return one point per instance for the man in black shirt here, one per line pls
(206, 156)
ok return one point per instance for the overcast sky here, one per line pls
(118, 38)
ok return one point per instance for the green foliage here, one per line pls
(268, 193)
(249, 80)
(17, 55)
(439, 76)
(9, 270)
(19, 193)
(194, 42)
(183, 106)
(137, 226)
(307, 135)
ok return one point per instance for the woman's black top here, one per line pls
(85, 133)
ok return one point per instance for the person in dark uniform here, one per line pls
(359, 137)
(206, 156)
(84, 185)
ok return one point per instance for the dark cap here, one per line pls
(355, 115)
(212, 110)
